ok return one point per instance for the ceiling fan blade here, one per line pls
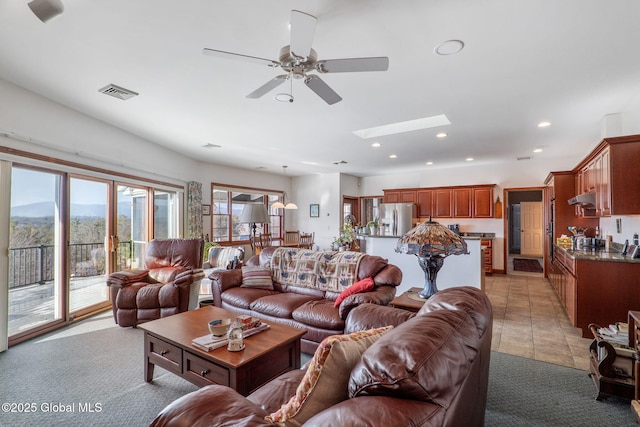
(240, 57)
(271, 84)
(348, 65)
(303, 28)
(321, 89)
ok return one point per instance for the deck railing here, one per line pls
(35, 264)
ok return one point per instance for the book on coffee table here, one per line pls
(209, 342)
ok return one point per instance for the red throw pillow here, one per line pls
(364, 285)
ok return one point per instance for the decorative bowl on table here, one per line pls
(219, 327)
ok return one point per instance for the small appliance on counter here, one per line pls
(455, 228)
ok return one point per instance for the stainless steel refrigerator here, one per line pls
(397, 218)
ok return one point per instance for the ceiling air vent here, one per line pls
(523, 158)
(118, 92)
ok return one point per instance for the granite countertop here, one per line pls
(467, 236)
(598, 255)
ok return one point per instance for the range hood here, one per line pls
(585, 199)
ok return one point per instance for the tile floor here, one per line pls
(529, 320)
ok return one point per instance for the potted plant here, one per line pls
(373, 227)
(346, 238)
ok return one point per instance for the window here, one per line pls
(227, 205)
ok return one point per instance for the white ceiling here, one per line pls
(569, 62)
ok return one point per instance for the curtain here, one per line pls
(194, 209)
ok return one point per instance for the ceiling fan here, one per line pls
(298, 60)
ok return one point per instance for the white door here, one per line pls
(531, 228)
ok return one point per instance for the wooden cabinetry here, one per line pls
(442, 203)
(482, 202)
(400, 196)
(487, 262)
(611, 170)
(562, 277)
(424, 200)
(447, 202)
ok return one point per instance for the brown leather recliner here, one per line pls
(169, 284)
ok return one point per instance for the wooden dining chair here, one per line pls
(292, 238)
(306, 240)
(266, 240)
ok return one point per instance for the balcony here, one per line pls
(32, 294)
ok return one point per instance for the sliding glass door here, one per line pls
(67, 233)
(89, 219)
(36, 292)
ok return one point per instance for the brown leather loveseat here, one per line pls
(169, 283)
(431, 369)
(304, 286)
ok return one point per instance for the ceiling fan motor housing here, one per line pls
(297, 66)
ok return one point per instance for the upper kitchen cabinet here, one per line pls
(399, 196)
(610, 171)
(462, 202)
(483, 202)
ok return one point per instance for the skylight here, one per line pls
(400, 127)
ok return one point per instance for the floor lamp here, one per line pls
(254, 214)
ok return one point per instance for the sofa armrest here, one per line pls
(277, 392)
(127, 277)
(379, 411)
(214, 405)
(223, 280)
(369, 316)
(381, 295)
(189, 276)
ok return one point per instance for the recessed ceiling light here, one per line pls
(400, 127)
(449, 47)
(544, 124)
(392, 156)
(442, 135)
(429, 163)
(469, 159)
(376, 145)
(537, 150)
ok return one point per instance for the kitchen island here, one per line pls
(457, 270)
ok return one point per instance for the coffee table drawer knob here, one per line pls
(203, 373)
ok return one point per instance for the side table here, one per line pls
(634, 342)
(410, 300)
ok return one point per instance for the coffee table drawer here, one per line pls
(165, 355)
(202, 372)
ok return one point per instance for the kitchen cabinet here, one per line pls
(611, 170)
(594, 291)
(462, 202)
(487, 262)
(442, 203)
(482, 202)
(403, 196)
(424, 200)
(465, 201)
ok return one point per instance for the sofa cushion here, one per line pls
(364, 285)
(257, 277)
(243, 297)
(429, 363)
(325, 382)
(281, 304)
(319, 313)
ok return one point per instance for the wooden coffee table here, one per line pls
(267, 354)
(409, 300)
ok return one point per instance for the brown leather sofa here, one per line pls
(169, 283)
(431, 369)
(303, 307)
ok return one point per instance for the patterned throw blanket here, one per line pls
(322, 270)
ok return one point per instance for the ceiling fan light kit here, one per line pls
(299, 60)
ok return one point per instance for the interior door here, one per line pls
(531, 228)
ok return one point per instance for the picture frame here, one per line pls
(206, 210)
(314, 210)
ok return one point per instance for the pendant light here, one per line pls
(280, 205)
